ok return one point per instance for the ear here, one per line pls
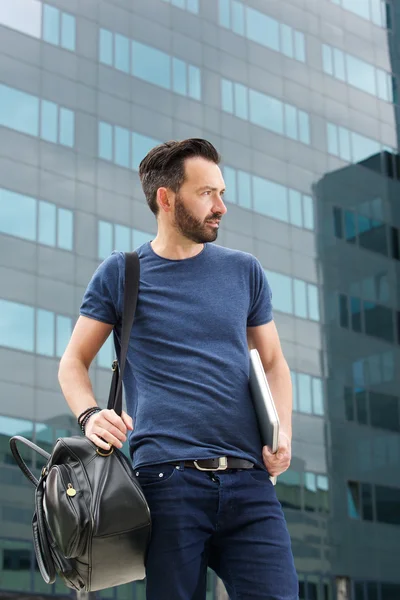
(164, 199)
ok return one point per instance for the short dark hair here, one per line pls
(164, 166)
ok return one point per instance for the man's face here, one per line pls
(198, 204)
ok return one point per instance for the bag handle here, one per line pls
(131, 289)
(20, 461)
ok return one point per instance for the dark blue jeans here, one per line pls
(230, 521)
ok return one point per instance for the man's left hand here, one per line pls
(279, 462)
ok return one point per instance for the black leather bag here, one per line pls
(91, 523)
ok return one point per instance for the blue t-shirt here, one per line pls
(186, 375)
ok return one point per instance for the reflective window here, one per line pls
(122, 238)
(58, 27)
(300, 298)
(379, 321)
(304, 393)
(230, 184)
(361, 403)
(367, 502)
(299, 45)
(295, 208)
(63, 333)
(241, 105)
(244, 189)
(293, 375)
(106, 47)
(18, 218)
(16, 326)
(49, 121)
(269, 198)
(106, 354)
(313, 302)
(261, 29)
(47, 223)
(372, 10)
(65, 229)
(122, 54)
(384, 411)
(122, 146)
(22, 15)
(237, 17)
(339, 65)
(387, 504)
(105, 239)
(287, 40)
(353, 500)
(360, 74)
(149, 63)
(45, 332)
(179, 78)
(67, 127)
(288, 489)
(113, 236)
(129, 147)
(265, 111)
(105, 141)
(353, 145)
(194, 82)
(318, 396)
(68, 31)
(18, 215)
(355, 312)
(281, 286)
(141, 144)
(344, 144)
(291, 122)
(51, 24)
(19, 111)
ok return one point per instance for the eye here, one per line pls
(207, 193)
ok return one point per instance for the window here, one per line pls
(58, 27)
(262, 29)
(20, 111)
(353, 500)
(113, 236)
(265, 111)
(308, 395)
(288, 490)
(350, 146)
(31, 329)
(281, 286)
(18, 215)
(11, 12)
(150, 64)
(387, 504)
(304, 393)
(16, 326)
(372, 10)
(123, 147)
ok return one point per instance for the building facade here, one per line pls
(300, 97)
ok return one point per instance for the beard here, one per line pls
(191, 227)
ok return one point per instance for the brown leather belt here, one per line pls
(218, 464)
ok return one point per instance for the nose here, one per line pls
(220, 207)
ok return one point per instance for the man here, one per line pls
(200, 307)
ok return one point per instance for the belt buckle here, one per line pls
(222, 465)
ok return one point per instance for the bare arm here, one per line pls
(265, 339)
(73, 375)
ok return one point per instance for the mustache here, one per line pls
(214, 217)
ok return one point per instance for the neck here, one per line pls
(174, 246)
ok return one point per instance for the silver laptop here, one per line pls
(267, 416)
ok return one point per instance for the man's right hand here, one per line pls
(106, 428)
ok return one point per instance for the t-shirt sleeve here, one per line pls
(102, 299)
(260, 311)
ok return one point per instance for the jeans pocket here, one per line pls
(154, 474)
(259, 475)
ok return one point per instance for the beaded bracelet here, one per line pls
(87, 417)
(84, 413)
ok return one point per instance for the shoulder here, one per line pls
(234, 257)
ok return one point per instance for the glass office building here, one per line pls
(300, 97)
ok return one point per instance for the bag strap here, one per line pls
(131, 290)
(20, 461)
